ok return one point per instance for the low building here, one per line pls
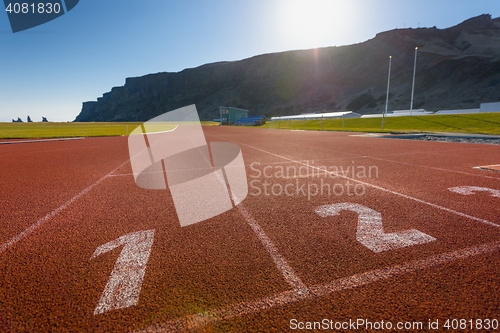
(484, 107)
(231, 116)
(459, 111)
(309, 116)
(490, 107)
(399, 113)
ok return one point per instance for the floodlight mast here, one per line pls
(387, 96)
(413, 83)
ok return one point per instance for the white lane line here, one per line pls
(131, 174)
(382, 189)
(40, 140)
(288, 273)
(425, 166)
(432, 168)
(361, 279)
(11, 242)
(358, 280)
(417, 165)
(38, 151)
(159, 132)
(451, 151)
(444, 153)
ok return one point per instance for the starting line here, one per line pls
(319, 290)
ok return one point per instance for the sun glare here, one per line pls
(314, 23)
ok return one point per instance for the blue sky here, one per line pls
(51, 69)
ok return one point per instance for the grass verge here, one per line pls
(481, 123)
(67, 130)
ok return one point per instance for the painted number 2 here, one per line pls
(124, 284)
(370, 231)
(468, 190)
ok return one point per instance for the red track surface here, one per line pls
(62, 200)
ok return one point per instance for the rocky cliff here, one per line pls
(457, 67)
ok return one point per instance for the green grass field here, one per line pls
(481, 123)
(67, 130)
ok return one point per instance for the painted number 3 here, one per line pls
(370, 231)
(124, 284)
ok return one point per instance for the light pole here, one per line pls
(387, 97)
(413, 84)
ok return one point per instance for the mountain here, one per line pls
(457, 67)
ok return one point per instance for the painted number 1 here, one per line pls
(124, 284)
(370, 231)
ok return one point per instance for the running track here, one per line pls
(260, 265)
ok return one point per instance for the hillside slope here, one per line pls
(457, 67)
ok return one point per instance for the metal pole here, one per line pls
(304, 125)
(413, 84)
(321, 122)
(387, 97)
(342, 120)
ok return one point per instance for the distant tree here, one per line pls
(19, 120)
(29, 119)
(44, 120)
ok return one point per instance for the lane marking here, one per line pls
(370, 230)
(432, 168)
(38, 151)
(355, 281)
(493, 167)
(468, 190)
(445, 152)
(125, 282)
(448, 153)
(288, 273)
(383, 189)
(41, 140)
(193, 169)
(144, 132)
(11, 242)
